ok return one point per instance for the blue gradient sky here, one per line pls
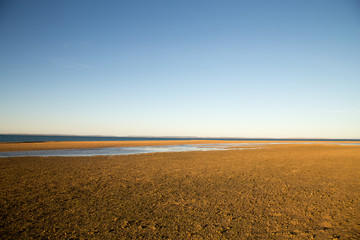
(181, 68)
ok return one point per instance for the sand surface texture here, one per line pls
(277, 192)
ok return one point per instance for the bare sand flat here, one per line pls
(277, 192)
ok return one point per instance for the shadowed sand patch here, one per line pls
(277, 192)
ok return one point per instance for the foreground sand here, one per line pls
(278, 192)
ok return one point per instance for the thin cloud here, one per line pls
(70, 65)
(66, 45)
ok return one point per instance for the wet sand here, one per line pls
(6, 147)
(27, 146)
(276, 192)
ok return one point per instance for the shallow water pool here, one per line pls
(147, 149)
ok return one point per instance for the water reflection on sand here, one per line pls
(145, 149)
(131, 150)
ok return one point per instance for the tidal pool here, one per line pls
(130, 150)
(147, 149)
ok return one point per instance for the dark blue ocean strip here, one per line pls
(56, 138)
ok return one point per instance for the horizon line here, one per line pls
(191, 137)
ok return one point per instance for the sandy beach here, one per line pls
(276, 192)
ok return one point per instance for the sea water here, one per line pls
(57, 138)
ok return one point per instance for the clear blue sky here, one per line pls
(181, 68)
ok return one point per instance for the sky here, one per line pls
(205, 68)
